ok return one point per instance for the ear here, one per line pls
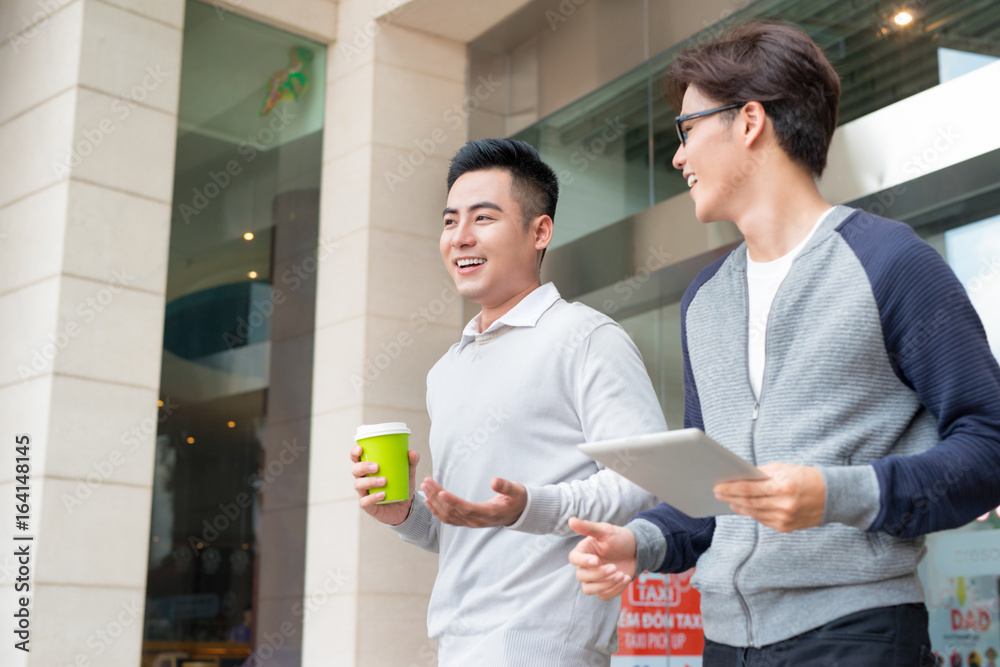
(541, 228)
(752, 122)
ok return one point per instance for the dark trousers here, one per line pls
(883, 637)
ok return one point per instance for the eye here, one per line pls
(483, 217)
(448, 222)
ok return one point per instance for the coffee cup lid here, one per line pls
(386, 428)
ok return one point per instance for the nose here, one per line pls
(680, 159)
(463, 236)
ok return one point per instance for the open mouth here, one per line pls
(469, 264)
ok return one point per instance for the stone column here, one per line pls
(88, 123)
(385, 313)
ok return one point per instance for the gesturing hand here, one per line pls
(502, 509)
(792, 498)
(605, 560)
(392, 513)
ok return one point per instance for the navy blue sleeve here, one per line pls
(687, 538)
(938, 347)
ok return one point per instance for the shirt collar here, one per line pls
(525, 314)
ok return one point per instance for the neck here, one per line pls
(782, 212)
(491, 314)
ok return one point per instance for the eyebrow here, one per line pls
(482, 204)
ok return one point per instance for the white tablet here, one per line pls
(678, 467)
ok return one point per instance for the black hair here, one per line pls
(533, 184)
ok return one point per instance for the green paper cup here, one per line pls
(387, 445)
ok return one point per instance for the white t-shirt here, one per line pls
(763, 281)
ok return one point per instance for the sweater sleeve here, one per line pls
(420, 526)
(938, 347)
(614, 398)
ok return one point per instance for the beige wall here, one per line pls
(88, 124)
(553, 52)
(388, 137)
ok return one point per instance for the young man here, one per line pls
(835, 350)
(531, 377)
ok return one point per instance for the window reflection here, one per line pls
(227, 538)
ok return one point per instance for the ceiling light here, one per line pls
(190, 440)
(252, 274)
(903, 18)
(248, 236)
(159, 404)
(231, 424)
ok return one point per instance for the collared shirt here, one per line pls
(524, 314)
(515, 404)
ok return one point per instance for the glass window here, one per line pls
(613, 148)
(232, 445)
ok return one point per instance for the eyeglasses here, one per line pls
(682, 135)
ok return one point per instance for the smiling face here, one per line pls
(710, 157)
(489, 252)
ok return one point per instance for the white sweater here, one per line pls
(514, 402)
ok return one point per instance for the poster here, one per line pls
(962, 587)
(660, 623)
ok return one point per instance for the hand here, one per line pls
(792, 498)
(502, 509)
(393, 513)
(605, 559)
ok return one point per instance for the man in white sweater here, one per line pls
(531, 378)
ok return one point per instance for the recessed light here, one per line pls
(252, 274)
(248, 236)
(903, 18)
(190, 440)
(231, 424)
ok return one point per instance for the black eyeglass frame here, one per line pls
(682, 135)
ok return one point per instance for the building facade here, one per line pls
(218, 256)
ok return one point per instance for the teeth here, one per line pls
(462, 263)
(692, 179)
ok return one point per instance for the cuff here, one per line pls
(650, 545)
(853, 497)
(541, 511)
(418, 523)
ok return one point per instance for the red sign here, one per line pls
(660, 616)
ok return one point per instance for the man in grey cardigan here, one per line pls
(834, 349)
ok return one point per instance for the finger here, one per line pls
(413, 456)
(582, 556)
(590, 528)
(731, 491)
(363, 484)
(363, 468)
(606, 573)
(606, 590)
(370, 501)
(356, 452)
(501, 486)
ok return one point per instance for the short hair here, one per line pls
(533, 184)
(776, 64)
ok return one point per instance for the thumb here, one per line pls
(590, 528)
(504, 487)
